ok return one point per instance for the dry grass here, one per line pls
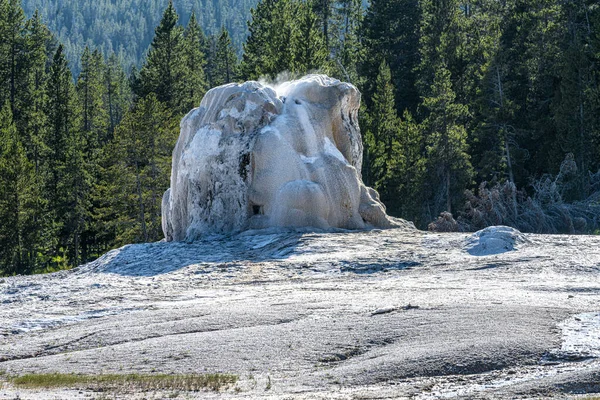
(137, 382)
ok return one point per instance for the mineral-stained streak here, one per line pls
(252, 156)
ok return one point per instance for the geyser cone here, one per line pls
(252, 157)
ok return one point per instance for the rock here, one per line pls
(494, 240)
(251, 157)
(384, 310)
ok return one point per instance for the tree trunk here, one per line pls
(448, 199)
(76, 244)
(141, 203)
(511, 177)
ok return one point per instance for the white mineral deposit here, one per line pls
(253, 157)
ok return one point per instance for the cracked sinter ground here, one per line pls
(343, 315)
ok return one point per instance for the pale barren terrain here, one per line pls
(371, 314)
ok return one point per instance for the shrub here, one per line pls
(444, 223)
(546, 211)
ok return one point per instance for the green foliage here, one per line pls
(345, 44)
(309, 45)
(34, 96)
(194, 82)
(382, 135)
(164, 67)
(448, 169)
(225, 63)
(18, 197)
(393, 151)
(126, 27)
(11, 52)
(390, 32)
(139, 170)
(257, 48)
(68, 181)
(91, 89)
(323, 9)
(174, 70)
(118, 93)
(285, 36)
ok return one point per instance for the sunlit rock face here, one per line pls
(253, 157)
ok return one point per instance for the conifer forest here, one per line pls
(474, 113)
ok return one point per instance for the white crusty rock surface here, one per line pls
(297, 315)
(494, 240)
(251, 156)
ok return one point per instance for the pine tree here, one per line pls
(193, 82)
(440, 42)
(164, 67)
(86, 147)
(19, 234)
(391, 32)
(67, 185)
(34, 123)
(75, 186)
(323, 9)
(256, 49)
(492, 136)
(594, 91)
(91, 89)
(60, 124)
(448, 169)
(203, 39)
(307, 44)
(209, 70)
(12, 50)
(271, 48)
(541, 53)
(33, 132)
(135, 83)
(406, 197)
(479, 23)
(139, 175)
(279, 54)
(383, 132)
(347, 50)
(393, 152)
(225, 69)
(500, 121)
(575, 105)
(118, 93)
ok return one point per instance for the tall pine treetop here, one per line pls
(167, 24)
(164, 65)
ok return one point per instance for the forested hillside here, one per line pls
(126, 27)
(483, 111)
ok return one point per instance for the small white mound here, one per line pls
(494, 240)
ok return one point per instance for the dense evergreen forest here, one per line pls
(474, 113)
(126, 27)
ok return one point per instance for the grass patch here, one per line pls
(137, 382)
